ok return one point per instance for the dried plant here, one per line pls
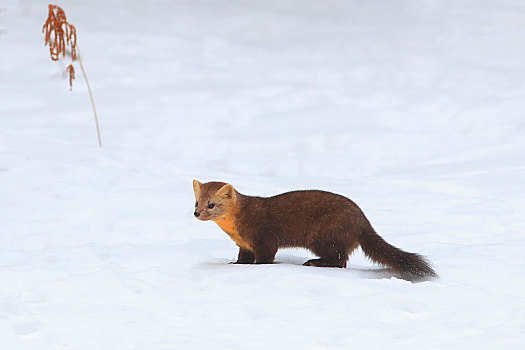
(58, 29)
(71, 72)
(59, 34)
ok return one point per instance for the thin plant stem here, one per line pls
(90, 95)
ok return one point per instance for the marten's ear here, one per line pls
(197, 188)
(226, 191)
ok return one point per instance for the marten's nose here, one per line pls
(197, 214)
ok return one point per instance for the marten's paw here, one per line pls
(325, 262)
(243, 262)
(245, 257)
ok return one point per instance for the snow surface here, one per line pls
(414, 109)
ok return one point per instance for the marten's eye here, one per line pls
(196, 204)
(211, 205)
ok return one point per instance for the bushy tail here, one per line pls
(409, 265)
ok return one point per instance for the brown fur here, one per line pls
(328, 224)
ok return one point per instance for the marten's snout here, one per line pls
(197, 214)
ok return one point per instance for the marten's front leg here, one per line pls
(245, 257)
(265, 255)
(264, 247)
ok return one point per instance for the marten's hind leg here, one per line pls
(327, 262)
(332, 252)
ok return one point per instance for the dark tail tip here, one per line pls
(409, 265)
(413, 265)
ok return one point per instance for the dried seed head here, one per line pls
(59, 35)
(71, 71)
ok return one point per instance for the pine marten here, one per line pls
(328, 224)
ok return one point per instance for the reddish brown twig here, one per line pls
(59, 34)
(71, 72)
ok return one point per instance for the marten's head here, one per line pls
(213, 200)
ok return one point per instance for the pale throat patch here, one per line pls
(227, 224)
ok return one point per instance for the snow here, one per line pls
(413, 109)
